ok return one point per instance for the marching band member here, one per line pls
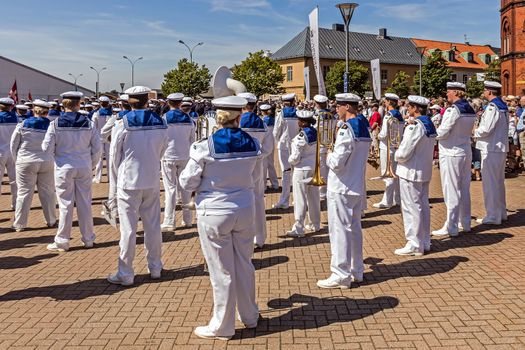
(8, 122)
(33, 167)
(391, 196)
(186, 105)
(414, 169)
(285, 129)
(136, 152)
(492, 141)
(455, 159)
(54, 111)
(99, 119)
(22, 112)
(303, 155)
(75, 144)
(181, 134)
(322, 111)
(346, 165)
(225, 208)
(364, 201)
(269, 166)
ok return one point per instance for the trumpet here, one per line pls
(393, 139)
(326, 130)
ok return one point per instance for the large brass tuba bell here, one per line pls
(326, 129)
(393, 139)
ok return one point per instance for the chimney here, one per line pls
(382, 33)
(338, 27)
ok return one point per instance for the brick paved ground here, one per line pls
(469, 292)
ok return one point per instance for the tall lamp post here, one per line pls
(76, 78)
(421, 51)
(98, 78)
(347, 11)
(132, 68)
(191, 49)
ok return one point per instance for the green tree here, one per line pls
(474, 87)
(357, 80)
(435, 75)
(260, 74)
(188, 78)
(400, 85)
(493, 71)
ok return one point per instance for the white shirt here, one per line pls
(415, 154)
(454, 132)
(285, 130)
(180, 138)
(6, 130)
(302, 154)
(26, 145)
(492, 132)
(383, 134)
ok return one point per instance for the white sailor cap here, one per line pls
(288, 97)
(320, 98)
(187, 99)
(176, 96)
(438, 107)
(124, 97)
(104, 99)
(42, 103)
(152, 105)
(24, 107)
(53, 103)
(305, 114)
(418, 100)
(89, 105)
(95, 104)
(347, 97)
(251, 98)
(492, 85)
(72, 95)
(7, 101)
(186, 104)
(137, 90)
(456, 85)
(28, 103)
(265, 107)
(391, 96)
(83, 112)
(116, 110)
(230, 102)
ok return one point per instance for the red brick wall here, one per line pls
(513, 47)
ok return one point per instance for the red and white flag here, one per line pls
(14, 93)
(29, 96)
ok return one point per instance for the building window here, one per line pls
(384, 76)
(451, 56)
(487, 59)
(505, 32)
(470, 57)
(465, 78)
(454, 77)
(326, 69)
(289, 73)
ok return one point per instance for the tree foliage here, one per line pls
(400, 85)
(435, 75)
(188, 78)
(260, 74)
(493, 71)
(357, 80)
(474, 87)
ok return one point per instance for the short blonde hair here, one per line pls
(41, 111)
(226, 118)
(70, 104)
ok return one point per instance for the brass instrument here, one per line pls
(326, 130)
(393, 139)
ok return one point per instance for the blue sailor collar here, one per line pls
(289, 112)
(395, 113)
(500, 104)
(360, 128)
(465, 108)
(90, 114)
(37, 123)
(232, 143)
(73, 120)
(193, 114)
(177, 116)
(269, 120)
(143, 119)
(8, 117)
(311, 134)
(363, 119)
(105, 112)
(251, 122)
(121, 114)
(53, 113)
(430, 129)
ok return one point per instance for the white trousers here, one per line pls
(28, 175)
(74, 186)
(493, 175)
(260, 209)
(415, 208)
(455, 182)
(171, 170)
(105, 154)
(132, 205)
(346, 236)
(391, 195)
(324, 174)
(227, 245)
(286, 170)
(7, 163)
(269, 169)
(112, 192)
(306, 200)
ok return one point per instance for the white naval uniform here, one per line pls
(75, 144)
(323, 150)
(493, 142)
(100, 118)
(306, 197)
(285, 129)
(225, 215)
(181, 134)
(8, 122)
(344, 199)
(391, 196)
(414, 169)
(269, 161)
(136, 152)
(364, 200)
(33, 167)
(455, 161)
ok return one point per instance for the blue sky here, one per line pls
(61, 37)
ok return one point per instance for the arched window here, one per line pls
(506, 82)
(505, 33)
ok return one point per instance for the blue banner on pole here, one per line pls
(345, 79)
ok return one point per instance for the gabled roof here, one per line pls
(363, 47)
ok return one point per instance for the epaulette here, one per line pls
(345, 126)
(301, 134)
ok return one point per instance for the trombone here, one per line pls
(393, 139)
(326, 129)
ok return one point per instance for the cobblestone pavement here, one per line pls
(468, 292)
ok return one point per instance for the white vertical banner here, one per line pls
(376, 78)
(314, 44)
(306, 73)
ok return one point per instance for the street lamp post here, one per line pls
(347, 11)
(421, 51)
(191, 49)
(132, 68)
(76, 78)
(98, 78)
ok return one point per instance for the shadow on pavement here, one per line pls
(19, 262)
(23, 242)
(467, 240)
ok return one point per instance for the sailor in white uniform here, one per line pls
(344, 195)
(54, 112)
(22, 112)
(286, 128)
(8, 122)
(391, 196)
(99, 120)
(225, 216)
(303, 155)
(269, 161)
(181, 134)
(455, 159)
(414, 169)
(75, 144)
(33, 167)
(136, 152)
(255, 127)
(493, 143)
(322, 111)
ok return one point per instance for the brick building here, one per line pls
(513, 47)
